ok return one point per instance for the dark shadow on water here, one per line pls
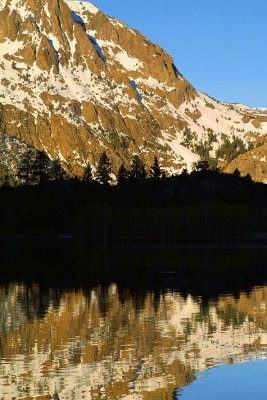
(201, 269)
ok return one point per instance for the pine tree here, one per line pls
(104, 169)
(3, 173)
(25, 171)
(248, 178)
(156, 171)
(6, 178)
(87, 173)
(184, 175)
(122, 175)
(40, 168)
(138, 171)
(184, 172)
(236, 173)
(57, 173)
(202, 166)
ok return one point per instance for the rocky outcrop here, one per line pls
(75, 82)
(253, 162)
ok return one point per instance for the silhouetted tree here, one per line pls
(40, 168)
(4, 174)
(202, 166)
(138, 171)
(247, 178)
(156, 170)
(184, 175)
(122, 175)
(184, 171)
(87, 174)
(103, 171)
(57, 173)
(236, 173)
(5, 177)
(25, 167)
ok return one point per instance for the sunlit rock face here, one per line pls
(67, 345)
(253, 162)
(75, 82)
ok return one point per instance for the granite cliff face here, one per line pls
(253, 162)
(75, 82)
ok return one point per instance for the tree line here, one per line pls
(36, 168)
(33, 168)
(136, 172)
(144, 203)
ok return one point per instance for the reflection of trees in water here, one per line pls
(144, 332)
(113, 340)
(24, 302)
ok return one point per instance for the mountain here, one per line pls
(75, 82)
(253, 161)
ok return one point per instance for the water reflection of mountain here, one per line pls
(125, 323)
(104, 343)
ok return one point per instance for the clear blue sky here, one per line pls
(220, 46)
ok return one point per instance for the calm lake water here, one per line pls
(179, 323)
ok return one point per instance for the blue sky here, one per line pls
(220, 46)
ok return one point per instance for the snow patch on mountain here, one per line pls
(20, 7)
(128, 98)
(128, 62)
(220, 117)
(81, 6)
(155, 84)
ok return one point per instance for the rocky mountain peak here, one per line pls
(75, 81)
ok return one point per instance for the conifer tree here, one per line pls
(184, 175)
(3, 173)
(104, 169)
(138, 171)
(40, 168)
(184, 172)
(57, 173)
(122, 175)
(202, 166)
(156, 171)
(236, 173)
(248, 178)
(87, 174)
(7, 179)
(25, 172)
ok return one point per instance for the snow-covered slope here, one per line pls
(75, 82)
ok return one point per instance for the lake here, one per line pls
(180, 322)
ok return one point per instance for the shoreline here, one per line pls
(259, 238)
